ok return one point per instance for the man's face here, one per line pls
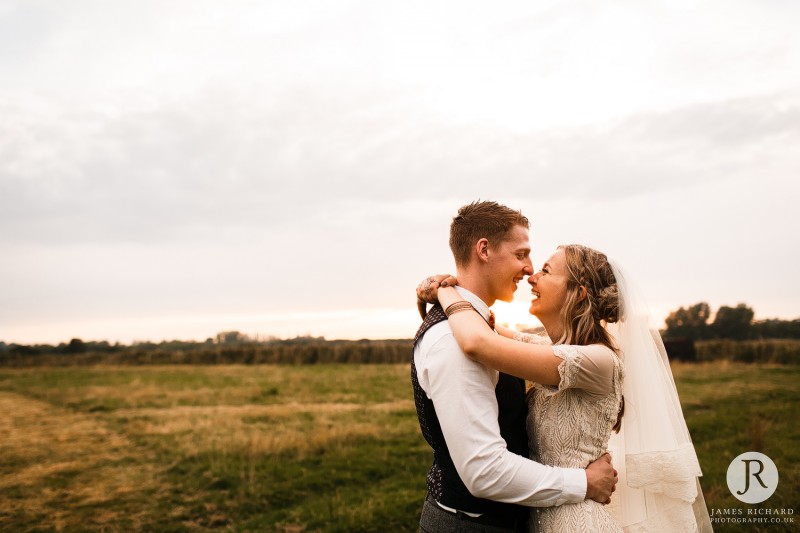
(508, 263)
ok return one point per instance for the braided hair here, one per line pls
(592, 301)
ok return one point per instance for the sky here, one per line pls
(170, 170)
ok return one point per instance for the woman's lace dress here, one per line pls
(569, 426)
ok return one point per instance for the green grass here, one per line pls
(329, 448)
(734, 408)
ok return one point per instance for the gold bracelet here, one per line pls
(458, 306)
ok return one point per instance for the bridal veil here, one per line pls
(658, 487)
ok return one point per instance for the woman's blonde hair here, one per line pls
(583, 318)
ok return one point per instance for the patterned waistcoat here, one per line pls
(443, 481)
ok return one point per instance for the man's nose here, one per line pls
(528, 270)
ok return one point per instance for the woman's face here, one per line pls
(549, 288)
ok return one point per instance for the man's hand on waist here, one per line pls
(601, 479)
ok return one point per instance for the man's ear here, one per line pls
(482, 249)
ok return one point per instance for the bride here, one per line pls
(601, 382)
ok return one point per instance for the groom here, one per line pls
(474, 417)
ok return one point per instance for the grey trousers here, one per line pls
(434, 519)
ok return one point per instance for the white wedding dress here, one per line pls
(569, 426)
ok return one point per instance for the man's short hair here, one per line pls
(479, 220)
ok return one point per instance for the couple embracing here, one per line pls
(507, 459)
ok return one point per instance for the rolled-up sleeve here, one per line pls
(463, 394)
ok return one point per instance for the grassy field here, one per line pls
(297, 448)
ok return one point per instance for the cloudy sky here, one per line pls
(174, 169)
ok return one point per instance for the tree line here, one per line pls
(690, 334)
(735, 323)
(228, 347)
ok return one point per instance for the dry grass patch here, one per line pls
(298, 429)
(54, 459)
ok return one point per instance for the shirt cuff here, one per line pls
(574, 486)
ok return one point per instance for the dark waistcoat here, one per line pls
(443, 481)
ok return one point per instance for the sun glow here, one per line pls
(515, 314)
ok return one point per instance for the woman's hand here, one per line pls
(428, 290)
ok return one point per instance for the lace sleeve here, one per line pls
(531, 338)
(592, 368)
(570, 367)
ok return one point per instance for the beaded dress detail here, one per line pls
(570, 425)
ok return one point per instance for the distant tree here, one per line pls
(733, 322)
(98, 346)
(231, 337)
(22, 349)
(773, 328)
(76, 346)
(689, 323)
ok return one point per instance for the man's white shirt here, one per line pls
(463, 393)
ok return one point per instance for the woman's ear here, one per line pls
(582, 293)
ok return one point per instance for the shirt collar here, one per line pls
(479, 305)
